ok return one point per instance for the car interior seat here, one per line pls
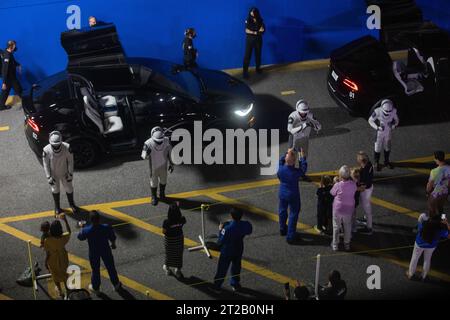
(90, 108)
(410, 84)
(113, 123)
(108, 120)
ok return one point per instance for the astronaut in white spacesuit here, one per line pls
(58, 166)
(300, 123)
(384, 119)
(158, 150)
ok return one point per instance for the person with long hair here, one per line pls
(254, 30)
(174, 240)
(430, 230)
(365, 189)
(57, 259)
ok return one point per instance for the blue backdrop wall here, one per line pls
(296, 29)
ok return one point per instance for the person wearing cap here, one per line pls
(190, 54)
(158, 150)
(300, 123)
(58, 166)
(384, 120)
(289, 193)
(9, 67)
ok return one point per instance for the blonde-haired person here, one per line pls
(365, 189)
(343, 207)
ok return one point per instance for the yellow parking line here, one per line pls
(287, 93)
(4, 297)
(264, 272)
(85, 264)
(393, 207)
(308, 229)
(6, 128)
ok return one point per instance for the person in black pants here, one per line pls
(9, 75)
(189, 52)
(254, 29)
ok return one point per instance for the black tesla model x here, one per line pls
(362, 73)
(107, 103)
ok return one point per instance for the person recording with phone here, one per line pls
(254, 30)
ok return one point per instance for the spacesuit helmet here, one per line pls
(157, 135)
(387, 106)
(55, 140)
(302, 108)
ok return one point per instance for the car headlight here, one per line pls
(244, 112)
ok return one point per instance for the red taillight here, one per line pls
(33, 125)
(351, 84)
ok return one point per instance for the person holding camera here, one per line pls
(431, 229)
(101, 241)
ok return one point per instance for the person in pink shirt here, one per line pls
(343, 206)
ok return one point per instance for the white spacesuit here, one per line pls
(384, 119)
(300, 123)
(58, 166)
(158, 149)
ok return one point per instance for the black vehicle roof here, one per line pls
(354, 46)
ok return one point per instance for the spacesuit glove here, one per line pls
(144, 155)
(51, 181)
(171, 168)
(69, 177)
(380, 128)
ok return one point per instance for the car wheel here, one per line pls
(85, 153)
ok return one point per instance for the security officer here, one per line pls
(384, 120)
(9, 75)
(299, 127)
(231, 241)
(58, 166)
(289, 193)
(254, 29)
(158, 150)
(190, 54)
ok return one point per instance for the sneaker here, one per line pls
(334, 248)
(366, 230)
(118, 287)
(91, 288)
(179, 274)
(167, 270)
(236, 287)
(318, 230)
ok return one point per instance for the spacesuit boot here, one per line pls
(154, 197)
(72, 204)
(162, 191)
(387, 163)
(377, 156)
(58, 209)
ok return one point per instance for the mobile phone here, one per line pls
(443, 216)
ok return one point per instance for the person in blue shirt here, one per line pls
(99, 237)
(289, 193)
(430, 230)
(231, 242)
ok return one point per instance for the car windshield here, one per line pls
(183, 82)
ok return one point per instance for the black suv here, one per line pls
(105, 102)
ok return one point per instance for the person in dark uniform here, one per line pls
(10, 66)
(254, 29)
(190, 54)
(231, 241)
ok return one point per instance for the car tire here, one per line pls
(86, 153)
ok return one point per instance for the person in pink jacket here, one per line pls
(343, 206)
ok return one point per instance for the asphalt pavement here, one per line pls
(119, 188)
